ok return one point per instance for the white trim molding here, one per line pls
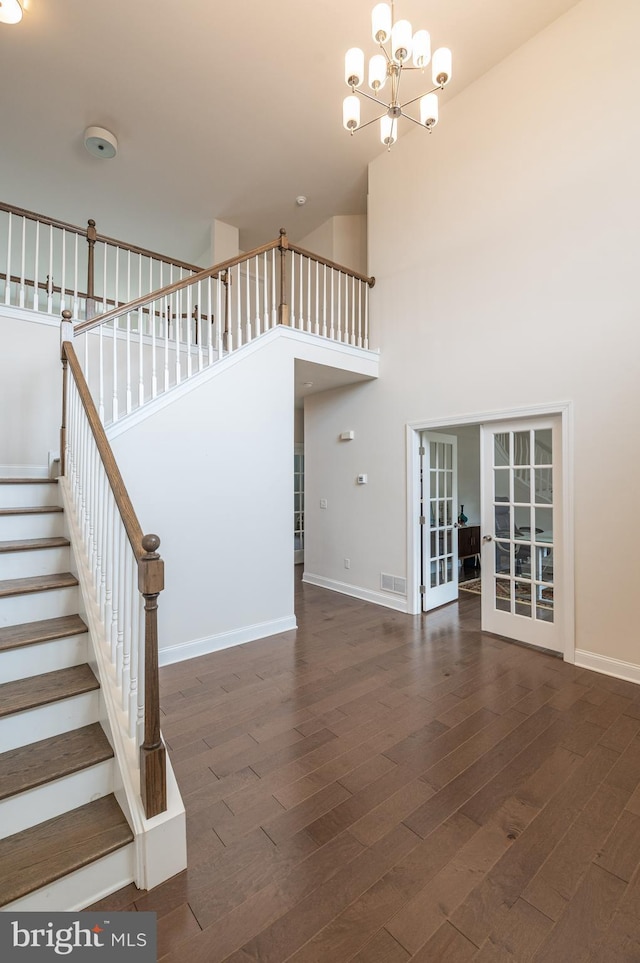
(225, 640)
(628, 671)
(24, 471)
(356, 592)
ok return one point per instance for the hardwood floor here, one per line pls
(380, 788)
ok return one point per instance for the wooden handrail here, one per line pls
(153, 783)
(99, 238)
(120, 494)
(170, 289)
(332, 264)
(223, 267)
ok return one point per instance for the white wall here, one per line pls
(342, 239)
(212, 474)
(30, 391)
(210, 470)
(511, 280)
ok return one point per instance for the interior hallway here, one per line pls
(380, 787)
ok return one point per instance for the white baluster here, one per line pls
(188, 321)
(360, 283)
(177, 339)
(104, 277)
(265, 291)
(317, 323)
(36, 289)
(293, 289)
(132, 702)
(50, 277)
(125, 675)
(199, 332)
(210, 320)
(166, 343)
(257, 269)
(100, 374)
(308, 294)
(324, 300)
(339, 307)
(301, 294)
(219, 318)
(115, 414)
(7, 282)
(22, 264)
(154, 372)
(331, 328)
(274, 302)
(76, 304)
(238, 308)
(248, 300)
(365, 339)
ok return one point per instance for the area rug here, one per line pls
(475, 585)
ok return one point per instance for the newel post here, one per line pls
(153, 778)
(66, 334)
(283, 307)
(91, 242)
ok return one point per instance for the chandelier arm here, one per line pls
(363, 93)
(420, 96)
(370, 122)
(409, 117)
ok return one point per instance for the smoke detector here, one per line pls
(100, 142)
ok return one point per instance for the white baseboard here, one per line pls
(225, 640)
(24, 471)
(398, 603)
(628, 671)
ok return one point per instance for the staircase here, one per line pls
(64, 841)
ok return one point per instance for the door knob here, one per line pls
(487, 538)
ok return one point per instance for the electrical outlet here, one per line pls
(347, 563)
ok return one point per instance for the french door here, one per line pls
(521, 528)
(438, 498)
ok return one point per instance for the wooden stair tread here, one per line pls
(30, 544)
(46, 630)
(39, 690)
(31, 510)
(41, 762)
(36, 583)
(46, 852)
(28, 481)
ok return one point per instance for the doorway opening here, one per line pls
(489, 505)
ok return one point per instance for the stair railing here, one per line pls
(47, 265)
(133, 353)
(127, 571)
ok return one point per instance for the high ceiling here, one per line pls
(225, 111)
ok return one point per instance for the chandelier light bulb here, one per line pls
(377, 72)
(354, 67)
(441, 66)
(421, 48)
(401, 41)
(351, 113)
(429, 110)
(388, 130)
(10, 11)
(381, 22)
(400, 52)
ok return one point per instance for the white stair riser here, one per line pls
(30, 660)
(40, 525)
(40, 561)
(35, 606)
(32, 725)
(84, 887)
(54, 798)
(19, 496)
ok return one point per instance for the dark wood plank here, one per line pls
(46, 630)
(33, 544)
(39, 855)
(41, 762)
(36, 583)
(43, 689)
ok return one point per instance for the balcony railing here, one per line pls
(137, 351)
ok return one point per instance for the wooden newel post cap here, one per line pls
(151, 544)
(66, 315)
(91, 222)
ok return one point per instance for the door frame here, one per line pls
(565, 412)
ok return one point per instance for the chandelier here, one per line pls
(10, 11)
(398, 45)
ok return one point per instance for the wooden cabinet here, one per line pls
(468, 541)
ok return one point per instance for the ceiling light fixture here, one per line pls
(10, 11)
(398, 45)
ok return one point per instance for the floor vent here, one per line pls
(393, 583)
